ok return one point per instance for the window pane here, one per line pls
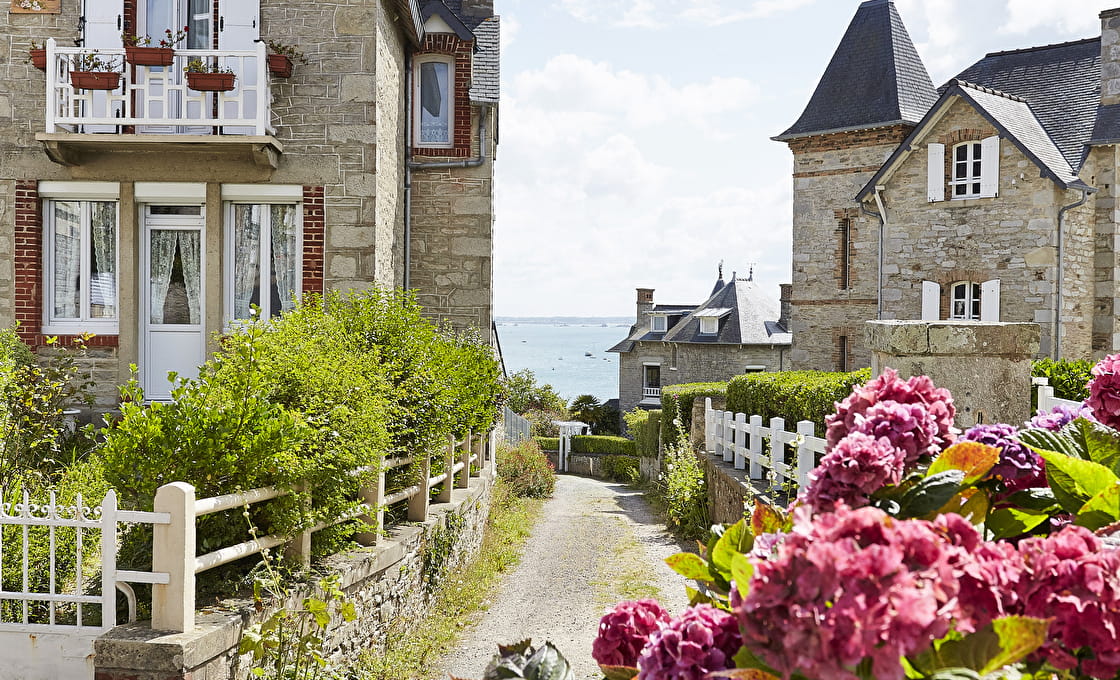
(198, 20)
(653, 376)
(961, 171)
(67, 260)
(246, 259)
(976, 169)
(435, 100)
(976, 151)
(175, 282)
(962, 153)
(175, 210)
(285, 268)
(103, 261)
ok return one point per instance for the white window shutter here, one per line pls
(989, 167)
(989, 300)
(931, 301)
(239, 24)
(936, 171)
(103, 23)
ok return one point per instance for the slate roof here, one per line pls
(486, 71)
(875, 78)
(1061, 83)
(434, 7)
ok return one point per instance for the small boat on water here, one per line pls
(587, 354)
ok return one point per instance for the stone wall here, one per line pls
(385, 583)
(730, 495)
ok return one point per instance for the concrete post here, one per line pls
(173, 553)
(373, 496)
(298, 551)
(985, 365)
(479, 453)
(418, 504)
(464, 480)
(741, 441)
(449, 468)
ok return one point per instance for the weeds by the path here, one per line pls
(413, 646)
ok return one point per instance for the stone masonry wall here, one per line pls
(386, 585)
(694, 362)
(828, 171)
(1012, 237)
(1103, 162)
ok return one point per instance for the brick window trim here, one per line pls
(850, 334)
(947, 278)
(844, 272)
(314, 239)
(449, 44)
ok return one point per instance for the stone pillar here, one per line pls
(1110, 57)
(986, 365)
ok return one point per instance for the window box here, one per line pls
(95, 80)
(39, 58)
(280, 65)
(210, 82)
(149, 56)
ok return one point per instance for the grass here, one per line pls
(413, 647)
(627, 575)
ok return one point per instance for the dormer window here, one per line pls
(973, 169)
(658, 323)
(434, 101)
(709, 325)
(967, 168)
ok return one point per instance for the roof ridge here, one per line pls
(1037, 48)
(990, 90)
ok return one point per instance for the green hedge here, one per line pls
(548, 443)
(647, 434)
(625, 469)
(793, 395)
(1070, 379)
(677, 400)
(603, 444)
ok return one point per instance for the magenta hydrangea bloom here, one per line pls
(850, 585)
(1016, 462)
(1071, 577)
(987, 573)
(701, 640)
(920, 422)
(624, 630)
(1104, 391)
(1060, 416)
(854, 469)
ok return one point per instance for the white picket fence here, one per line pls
(1046, 398)
(738, 439)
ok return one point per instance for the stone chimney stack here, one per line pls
(645, 302)
(478, 8)
(787, 306)
(1110, 57)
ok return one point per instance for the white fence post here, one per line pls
(740, 441)
(709, 426)
(755, 447)
(777, 450)
(479, 453)
(449, 468)
(728, 436)
(298, 550)
(173, 552)
(806, 458)
(108, 559)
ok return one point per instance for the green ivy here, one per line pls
(793, 395)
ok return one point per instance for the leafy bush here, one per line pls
(645, 428)
(793, 395)
(548, 443)
(626, 469)
(602, 444)
(684, 490)
(676, 404)
(540, 422)
(525, 470)
(1070, 379)
(524, 394)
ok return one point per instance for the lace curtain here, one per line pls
(67, 259)
(103, 280)
(285, 256)
(162, 264)
(277, 226)
(246, 259)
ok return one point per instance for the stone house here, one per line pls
(736, 330)
(992, 198)
(156, 213)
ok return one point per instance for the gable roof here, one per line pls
(875, 78)
(437, 8)
(1012, 116)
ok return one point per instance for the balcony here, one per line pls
(651, 392)
(152, 107)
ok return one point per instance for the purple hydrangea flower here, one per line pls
(624, 631)
(1060, 416)
(855, 468)
(1104, 391)
(1016, 462)
(701, 640)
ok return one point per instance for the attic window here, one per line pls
(434, 102)
(709, 325)
(967, 168)
(658, 323)
(973, 170)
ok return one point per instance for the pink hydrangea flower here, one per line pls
(916, 416)
(701, 640)
(1104, 391)
(854, 469)
(1060, 416)
(1072, 578)
(987, 573)
(624, 630)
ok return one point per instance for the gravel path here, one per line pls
(596, 543)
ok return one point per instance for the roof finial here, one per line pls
(721, 269)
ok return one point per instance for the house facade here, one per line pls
(736, 330)
(991, 198)
(155, 213)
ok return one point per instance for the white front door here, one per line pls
(172, 317)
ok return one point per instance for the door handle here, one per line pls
(119, 22)
(222, 23)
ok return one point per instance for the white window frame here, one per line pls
(83, 193)
(417, 65)
(655, 326)
(232, 199)
(972, 298)
(709, 325)
(972, 181)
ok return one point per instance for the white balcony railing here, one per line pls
(157, 100)
(651, 392)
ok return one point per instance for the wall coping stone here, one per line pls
(954, 338)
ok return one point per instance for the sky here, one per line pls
(634, 139)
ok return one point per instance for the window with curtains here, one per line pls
(433, 82)
(81, 265)
(264, 255)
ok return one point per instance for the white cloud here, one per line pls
(510, 28)
(665, 13)
(1069, 17)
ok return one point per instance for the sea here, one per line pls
(566, 352)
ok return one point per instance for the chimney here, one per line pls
(787, 306)
(645, 303)
(1110, 57)
(478, 8)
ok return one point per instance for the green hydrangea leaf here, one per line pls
(736, 540)
(690, 565)
(1075, 481)
(974, 459)
(1011, 522)
(1101, 510)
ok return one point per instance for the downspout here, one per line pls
(407, 279)
(1056, 352)
(483, 113)
(881, 216)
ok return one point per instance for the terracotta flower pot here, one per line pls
(280, 65)
(149, 56)
(210, 82)
(95, 80)
(39, 58)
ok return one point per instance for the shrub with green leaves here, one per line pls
(645, 428)
(591, 443)
(1069, 378)
(677, 401)
(626, 469)
(793, 395)
(684, 489)
(525, 470)
(548, 443)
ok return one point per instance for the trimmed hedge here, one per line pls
(625, 469)
(682, 396)
(793, 395)
(590, 443)
(548, 443)
(1070, 379)
(648, 433)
